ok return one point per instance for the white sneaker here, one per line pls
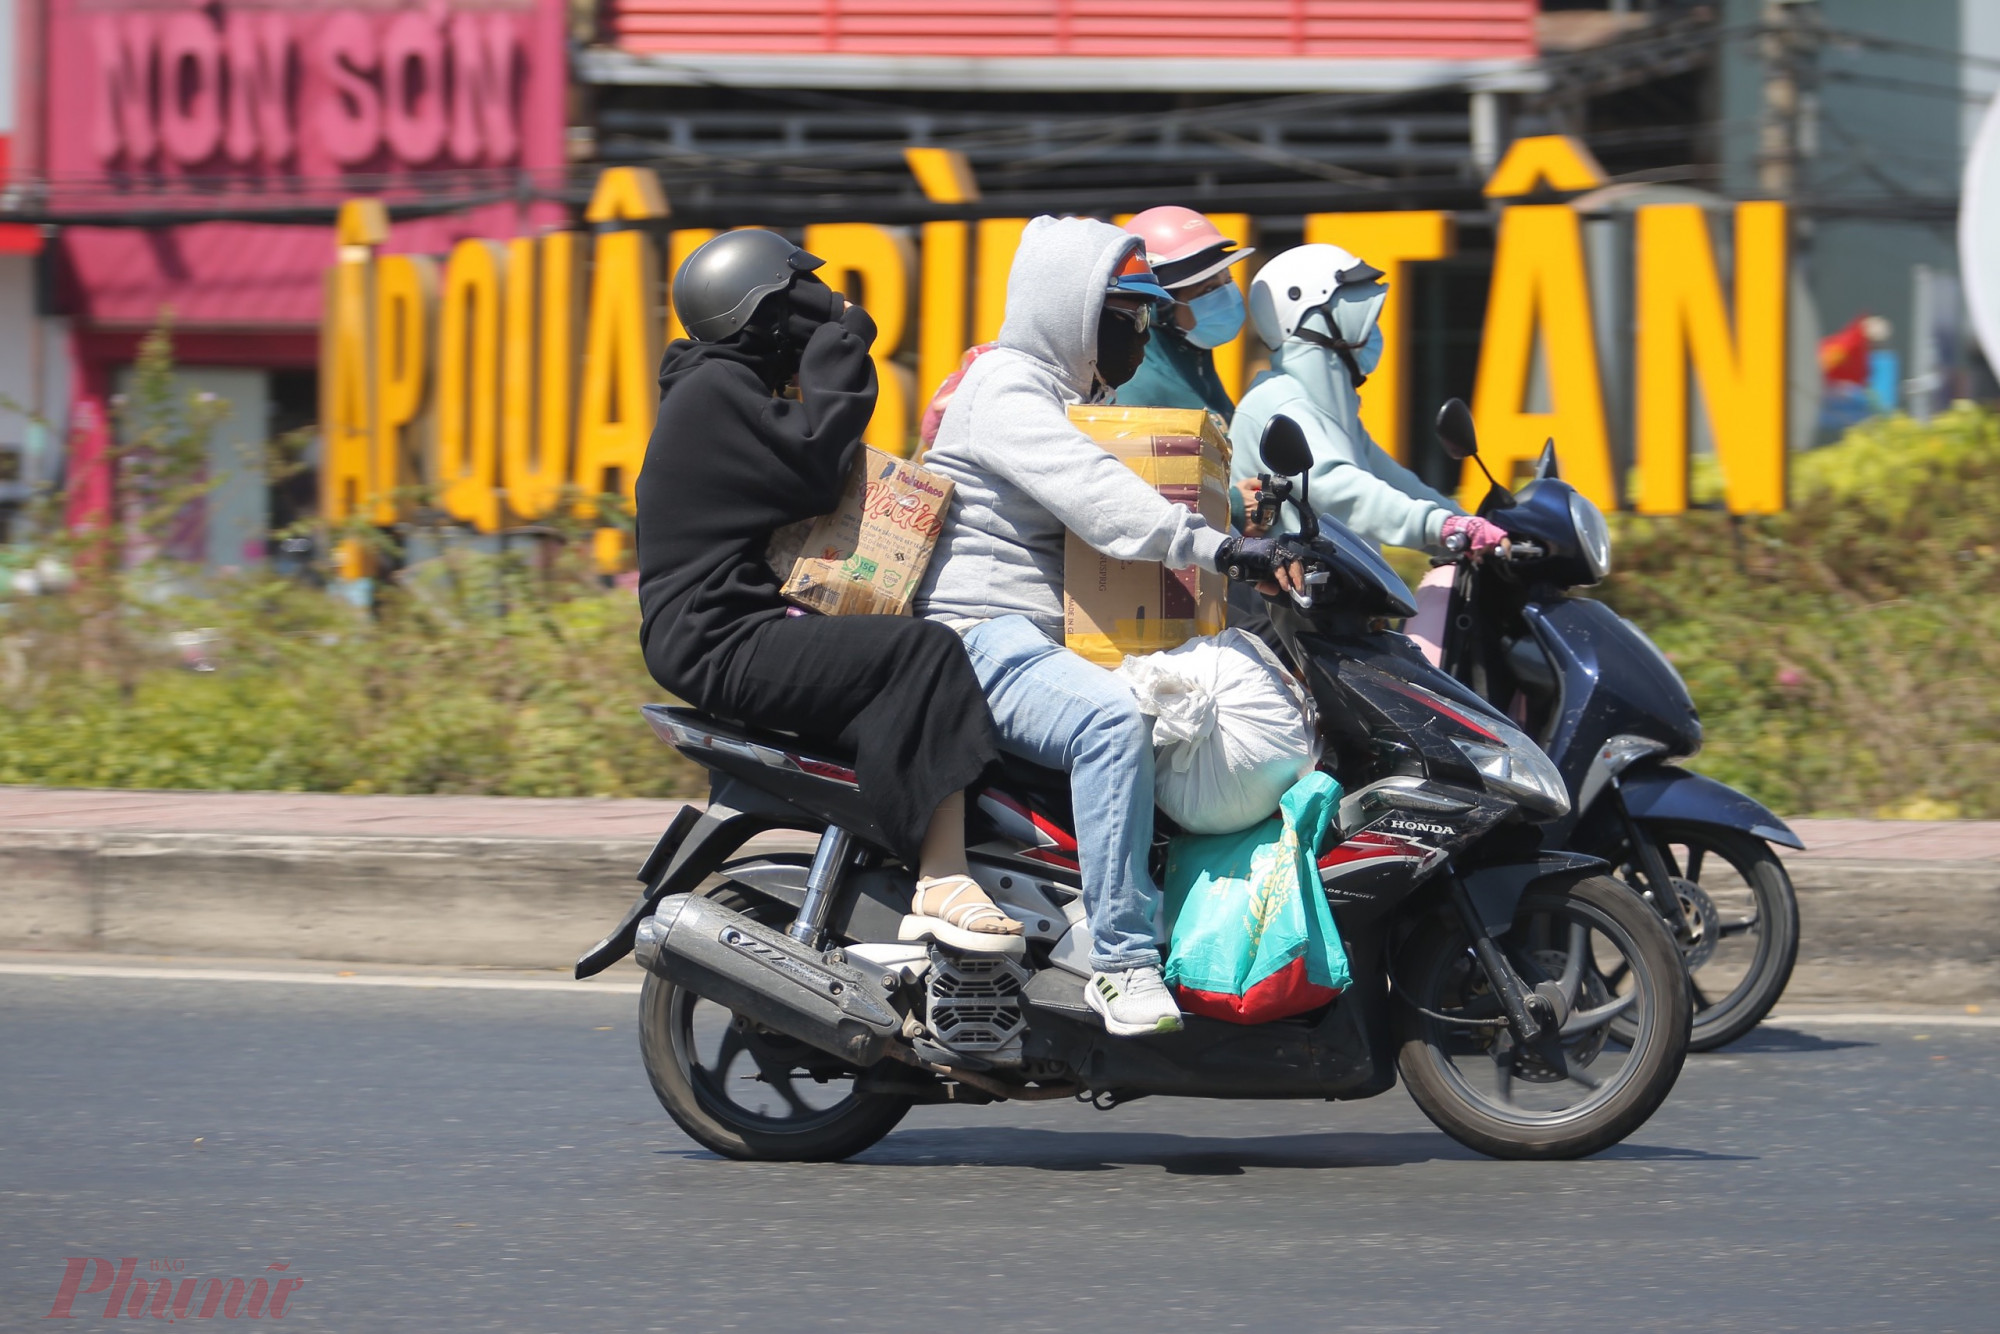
(1134, 1003)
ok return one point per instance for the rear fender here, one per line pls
(1663, 792)
(1496, 890)
(695, 844)
(870, 906)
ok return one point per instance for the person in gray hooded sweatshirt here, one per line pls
(1079, 302)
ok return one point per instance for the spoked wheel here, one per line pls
(1583, 1089)
(1742, 936)
(745, 1091)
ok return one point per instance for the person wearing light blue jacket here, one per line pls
(1318, 307)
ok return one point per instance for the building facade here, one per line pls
(184, 161)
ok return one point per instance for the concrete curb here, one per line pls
(1872, 930)
(1921, 932)
(529, 903)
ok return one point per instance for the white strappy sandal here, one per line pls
(961, 916)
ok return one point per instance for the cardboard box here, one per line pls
(1113, 607)
(868, 555)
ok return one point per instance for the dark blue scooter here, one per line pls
(1614, 715)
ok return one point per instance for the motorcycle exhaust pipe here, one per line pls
(769, 978)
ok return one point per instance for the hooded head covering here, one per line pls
(1055, 293)
(1348, 316)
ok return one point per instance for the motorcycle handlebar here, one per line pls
(1517, 549)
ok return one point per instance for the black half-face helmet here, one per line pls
(719, 285)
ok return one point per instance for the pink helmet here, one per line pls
(1182, 245)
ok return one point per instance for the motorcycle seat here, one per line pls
(772, 738)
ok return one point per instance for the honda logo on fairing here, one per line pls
(1419, 827)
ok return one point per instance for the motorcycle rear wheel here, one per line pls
(724, 1103)
(1488, 1093)
(1748, 899)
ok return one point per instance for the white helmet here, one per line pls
(1300, 281)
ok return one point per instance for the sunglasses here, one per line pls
(1141, 317)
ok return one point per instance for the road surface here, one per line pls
(445, 1159)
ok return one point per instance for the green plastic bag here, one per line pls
(1251, 936)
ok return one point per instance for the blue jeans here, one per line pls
(1057, 710)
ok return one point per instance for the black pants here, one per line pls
(897, 692)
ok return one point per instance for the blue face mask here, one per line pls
(1369, 355)
(1218, 316)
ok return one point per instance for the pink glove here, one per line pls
(1480, 536)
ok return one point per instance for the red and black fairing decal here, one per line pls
(1035, 836)
(1374, 868)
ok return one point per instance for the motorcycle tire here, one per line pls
(697, 1097)
(1436, 972)
(1720, 1020)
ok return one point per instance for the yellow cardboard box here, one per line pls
(1113, 607)
(868, 555)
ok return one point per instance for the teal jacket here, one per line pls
(1176, 374)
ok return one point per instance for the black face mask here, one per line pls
(1121, 346)
(764, 343)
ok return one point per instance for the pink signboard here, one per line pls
(284, 104)
(1098, 29)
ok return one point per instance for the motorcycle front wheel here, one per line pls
(1570, 1095)
(1742, 934)
(744, 1091)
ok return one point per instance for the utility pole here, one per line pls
(1787, 133)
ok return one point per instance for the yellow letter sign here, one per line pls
(622, 346)
(1680, 316)
(1539, 288)
(882, 259)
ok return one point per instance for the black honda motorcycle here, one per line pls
(1534, 1006)
(1615, 716)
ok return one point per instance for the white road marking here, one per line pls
(1845, 1019)
(1939, 1019)
(318, 979)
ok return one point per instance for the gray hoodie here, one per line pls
(1021, 473)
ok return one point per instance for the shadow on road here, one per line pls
(1667, 1153)
(1192, 1155)
(1767, 1038)
(1178, 1155)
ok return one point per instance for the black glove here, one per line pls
(808, 304)
(1254, 559)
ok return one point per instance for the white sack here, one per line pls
(1232, 731)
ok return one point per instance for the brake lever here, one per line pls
(1304, 597)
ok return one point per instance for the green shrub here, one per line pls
(311, 694)
(1845, 654)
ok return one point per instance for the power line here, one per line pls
(1874, 41)
(1949, 92)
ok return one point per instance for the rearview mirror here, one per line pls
(1284, 449)
(1455, 430)
(1461, 441)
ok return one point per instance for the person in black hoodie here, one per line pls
(733, 458)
